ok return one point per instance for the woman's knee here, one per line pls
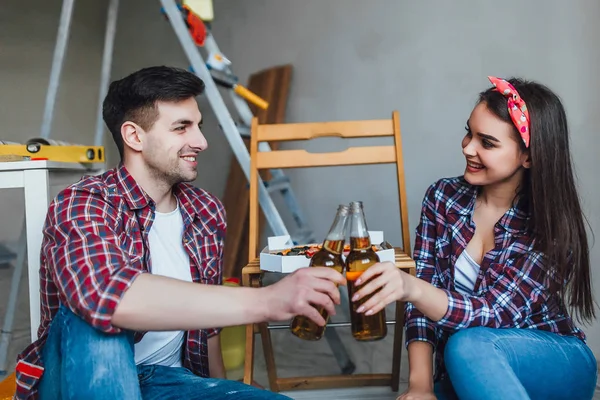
(471, 345)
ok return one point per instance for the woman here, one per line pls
(502, 257)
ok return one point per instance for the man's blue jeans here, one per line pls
(83, 363)
(486, 363)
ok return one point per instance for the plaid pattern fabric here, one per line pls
(514, 288)
(95, 244)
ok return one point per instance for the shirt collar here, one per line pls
(134, 195)
(186, 202)
(137, 198)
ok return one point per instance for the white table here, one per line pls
(34, 177)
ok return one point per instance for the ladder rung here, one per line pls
(278, 184)
(244, 131)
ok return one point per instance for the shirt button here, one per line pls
(142, 229)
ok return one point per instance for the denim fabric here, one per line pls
(83, 363)
(488, 363)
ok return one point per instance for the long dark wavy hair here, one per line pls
(548, 188)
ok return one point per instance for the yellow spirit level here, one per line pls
(68, 153)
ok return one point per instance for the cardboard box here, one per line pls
(288, 264)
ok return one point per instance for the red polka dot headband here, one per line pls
(516, 107)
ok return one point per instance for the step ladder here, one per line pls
(234, 133)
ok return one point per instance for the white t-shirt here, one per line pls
(168, 259)
(465, 273)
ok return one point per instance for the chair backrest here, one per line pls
(390, 154)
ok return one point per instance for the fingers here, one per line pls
(314, 281)
(325, 273)
(321, 300)
(312, 293)
(312, 314)
(376, 303)
(333, 292)
(371, 286)
(374, 270)
(322, 285)
(311, 303)
(384, 288)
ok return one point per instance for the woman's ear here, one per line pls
(526, 159)
(132, 135)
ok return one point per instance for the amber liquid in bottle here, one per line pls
(330, 255)
(361, 257)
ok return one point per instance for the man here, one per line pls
(131, 266)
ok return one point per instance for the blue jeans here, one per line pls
(486, 363)
(83, 363)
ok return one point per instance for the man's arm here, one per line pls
(216, 365)
(158, 303)
(97, 281)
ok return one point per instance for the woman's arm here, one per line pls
(421, 336)
(420, 365)
(518, 291)
(418, 326)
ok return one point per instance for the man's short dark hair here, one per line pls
(134, 97)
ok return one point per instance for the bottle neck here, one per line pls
(334, 241)
(334, 246)
(337, 231)
(360, 243)
(359, 233)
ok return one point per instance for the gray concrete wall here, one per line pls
(352, 60)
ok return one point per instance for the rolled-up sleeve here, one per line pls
(84, 258)
(519, 291)
(418, 326)
(217, 277)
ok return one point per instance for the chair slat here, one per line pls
(303, 159)
(312, 130)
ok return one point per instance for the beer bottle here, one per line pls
(360, 258)
(330, 255)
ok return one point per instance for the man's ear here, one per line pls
(132, 135)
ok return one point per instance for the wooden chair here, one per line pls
(251, 274)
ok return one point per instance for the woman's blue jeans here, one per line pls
(487, 363)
